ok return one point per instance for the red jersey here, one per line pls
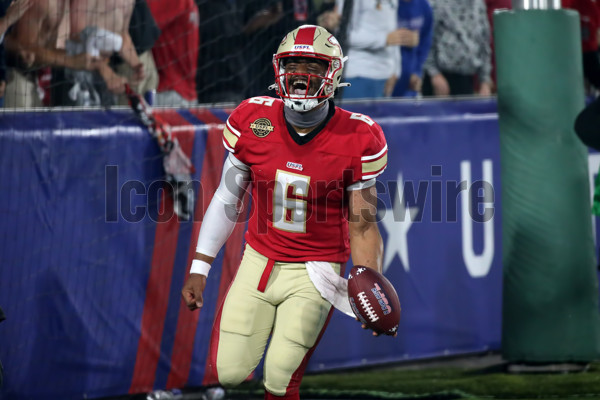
(176, 49)
(299, 183)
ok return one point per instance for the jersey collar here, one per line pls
(299, 139)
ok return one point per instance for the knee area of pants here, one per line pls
(278, 377)
(278, 390)
(232, 377)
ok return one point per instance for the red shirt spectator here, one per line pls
(176, 50)
(589, 15)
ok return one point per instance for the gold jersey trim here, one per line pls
(374, 165)
(230, 137)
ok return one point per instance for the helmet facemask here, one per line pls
(304, 80)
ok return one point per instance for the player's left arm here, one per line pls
(366, 244)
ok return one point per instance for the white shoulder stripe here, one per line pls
(233, 130)
(366, 158)
(375, 175)
(372, 176)
(361, 185)
(227, 146)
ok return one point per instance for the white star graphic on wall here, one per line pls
(397, 230)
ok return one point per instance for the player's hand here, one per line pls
(192, 291)
(440, 85)
(2, 88)
(364, 326)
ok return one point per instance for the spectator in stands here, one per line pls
(97, 27)
(492, 6)
(176, 51)
(143, 32)
(325, 13)
(415, 15)
(587, 128)
(460, 51)
(10, 12)
(373, 47)
(221, 75)
(31, 46)
(265, 25)
(589, 15)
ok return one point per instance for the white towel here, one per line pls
(332, 287)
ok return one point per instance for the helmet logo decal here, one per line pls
(284, 39)
(331, 39)
(262, 127)
(303, 47)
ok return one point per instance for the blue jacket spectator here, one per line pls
(415, 15)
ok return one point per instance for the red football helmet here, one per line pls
(303, 91)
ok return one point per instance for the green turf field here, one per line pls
(443, 383)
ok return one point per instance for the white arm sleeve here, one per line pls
(360, 185)
(223, 211)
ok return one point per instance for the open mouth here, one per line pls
(299, 86)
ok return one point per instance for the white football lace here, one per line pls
(366, 305)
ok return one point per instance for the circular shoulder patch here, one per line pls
(262, 127)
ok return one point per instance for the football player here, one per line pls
(312, 167)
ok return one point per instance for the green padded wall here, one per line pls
(550, 295)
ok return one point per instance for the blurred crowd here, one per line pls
(184, 52)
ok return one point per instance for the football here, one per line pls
(374, 300)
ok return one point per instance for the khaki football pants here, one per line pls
(290, 309)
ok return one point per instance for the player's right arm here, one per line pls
(218, 223)
(220, 217)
